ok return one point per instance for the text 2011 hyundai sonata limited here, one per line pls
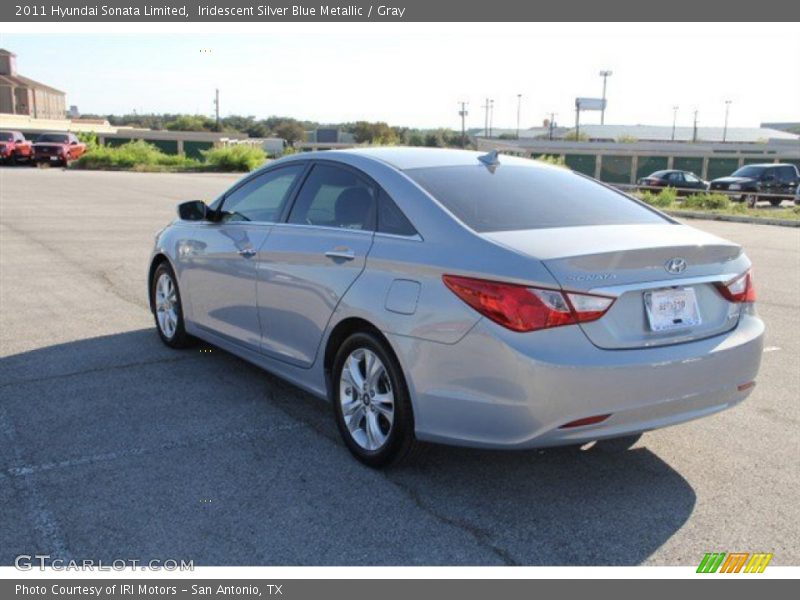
(456, 297)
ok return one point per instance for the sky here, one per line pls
(415, 74)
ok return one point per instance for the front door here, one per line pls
(218, 259)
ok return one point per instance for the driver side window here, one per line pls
(261, 198)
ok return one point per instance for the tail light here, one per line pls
(522, 308)
(740, 289)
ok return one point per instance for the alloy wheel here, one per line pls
(367, 399)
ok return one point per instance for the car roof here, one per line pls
(768, 165)
(404, 158)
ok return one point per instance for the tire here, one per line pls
(164, 293)
(361, 415)
(775, 201)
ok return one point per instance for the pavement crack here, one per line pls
(242, 434)
(478, 534)
(143, 363)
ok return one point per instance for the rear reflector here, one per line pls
(522, 308)
(746, 386)
(740, 289)
(586, 421)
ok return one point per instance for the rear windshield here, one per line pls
(52, 137)
(518, 197)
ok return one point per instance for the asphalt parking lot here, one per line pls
(113, 447)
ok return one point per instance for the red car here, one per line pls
(58, 148)
(14, 147)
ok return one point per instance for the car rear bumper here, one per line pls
(500, 389)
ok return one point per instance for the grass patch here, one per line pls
(134, 156)
(240, 157)
(144, 157)
(719, 204)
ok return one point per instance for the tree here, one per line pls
(191, 123)
(291, 131)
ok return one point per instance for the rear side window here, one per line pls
(391, 219)
(518, 197)
(335, 197)
(261, 198)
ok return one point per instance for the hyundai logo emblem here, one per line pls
(675, 265)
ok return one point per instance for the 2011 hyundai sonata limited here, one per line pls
(462, 298)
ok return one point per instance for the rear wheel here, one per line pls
(167, 309)
(775, 201)
(371, 402)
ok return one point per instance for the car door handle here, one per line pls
(247, 253)
(344, 254)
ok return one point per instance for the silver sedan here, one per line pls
(463, 298)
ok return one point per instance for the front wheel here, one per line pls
(165, 299)
(371, 402)
(775, 201)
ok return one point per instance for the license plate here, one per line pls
(672, 309)
(53, 158)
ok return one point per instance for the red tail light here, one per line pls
(740, 289)
(521, 308)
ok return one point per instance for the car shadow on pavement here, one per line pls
(118, 447)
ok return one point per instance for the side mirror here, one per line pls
(193, 210)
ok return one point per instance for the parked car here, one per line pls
(14, 147)
(674, 178)
(454, 297)
(755, 180)
(58, 148)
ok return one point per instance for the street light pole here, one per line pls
(552, 123)
(725, 129)
(674, 118)
(694, 130)
(491, 116)
(519, 105)
(605, 75)
(463, 114)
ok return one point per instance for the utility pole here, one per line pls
(577, 121)
(486, 119)
(552, 123)
(725, 129)
(216, 106)
(674, 119)
(605, 75)
(491, 116)
(519, 105)
(463, 114)
(694, 129)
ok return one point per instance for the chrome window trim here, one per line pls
(325, 227)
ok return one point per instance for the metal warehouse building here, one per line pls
(22, 96)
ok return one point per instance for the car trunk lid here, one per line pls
(630, 263)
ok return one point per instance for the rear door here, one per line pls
(310, 261)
